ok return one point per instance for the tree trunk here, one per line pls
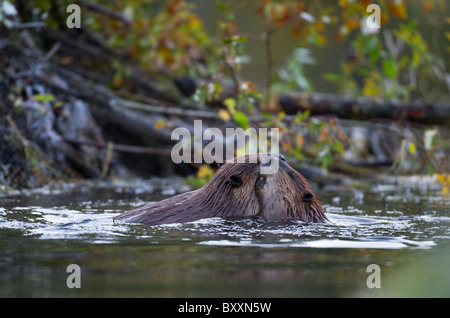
(365, 108)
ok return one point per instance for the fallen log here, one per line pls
(365, 108)
(122, 148)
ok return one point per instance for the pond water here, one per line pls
(402, 230)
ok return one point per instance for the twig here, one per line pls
(16, 130)
(268, 49)
(103, 10)
(110, 146)
(29, 25)
(52, 51)
(234, 74)
(172, 111)
(165, 110)
(31, 152)
(108, 158)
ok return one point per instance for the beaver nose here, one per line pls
(280, 156)
(267, 161)
(270, 164)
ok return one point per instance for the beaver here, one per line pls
(246, 187)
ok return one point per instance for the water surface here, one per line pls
(404, 231)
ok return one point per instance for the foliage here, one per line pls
(292, 75)
(171, 39)
(204, 174)
(395, 63)
(328, 136)
(381, 68)
(445, 180)
(168, 37)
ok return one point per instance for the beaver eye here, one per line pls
(308, 197)
(235, 181)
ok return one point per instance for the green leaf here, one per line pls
(44, 97)
(325, 159)
(371, 44)
(338, 147)
(298, 153)
(242, 119)
(415, 59)
(301, 116)
(430, 169)
(238, 38)
(58, 105)
(222, 6)
(390, 68)
(230, 103)
(332, 77)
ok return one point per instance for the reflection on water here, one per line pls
(405, 234)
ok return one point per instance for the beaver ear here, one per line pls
(308, 197)
(235, 181)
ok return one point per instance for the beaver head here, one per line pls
(258, 185)
(284, 194)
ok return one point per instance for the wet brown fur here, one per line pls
(275, 197)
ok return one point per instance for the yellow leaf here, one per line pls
(331, 123)
(445, 190)
(412, 148)
(427, 6)
(246, 87)
(321, 40)
(320, 26)
(323, 133)
(230, 103)
(240, 151)
(224, 115)
(285, 145)
(441, 177)
(205, 171)
(352, 23)
(342, 3)
(398, 9)
(300, 140)
(341, 135)
(160, 124)
(415, 59)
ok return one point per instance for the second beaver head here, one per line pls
(260, 185)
